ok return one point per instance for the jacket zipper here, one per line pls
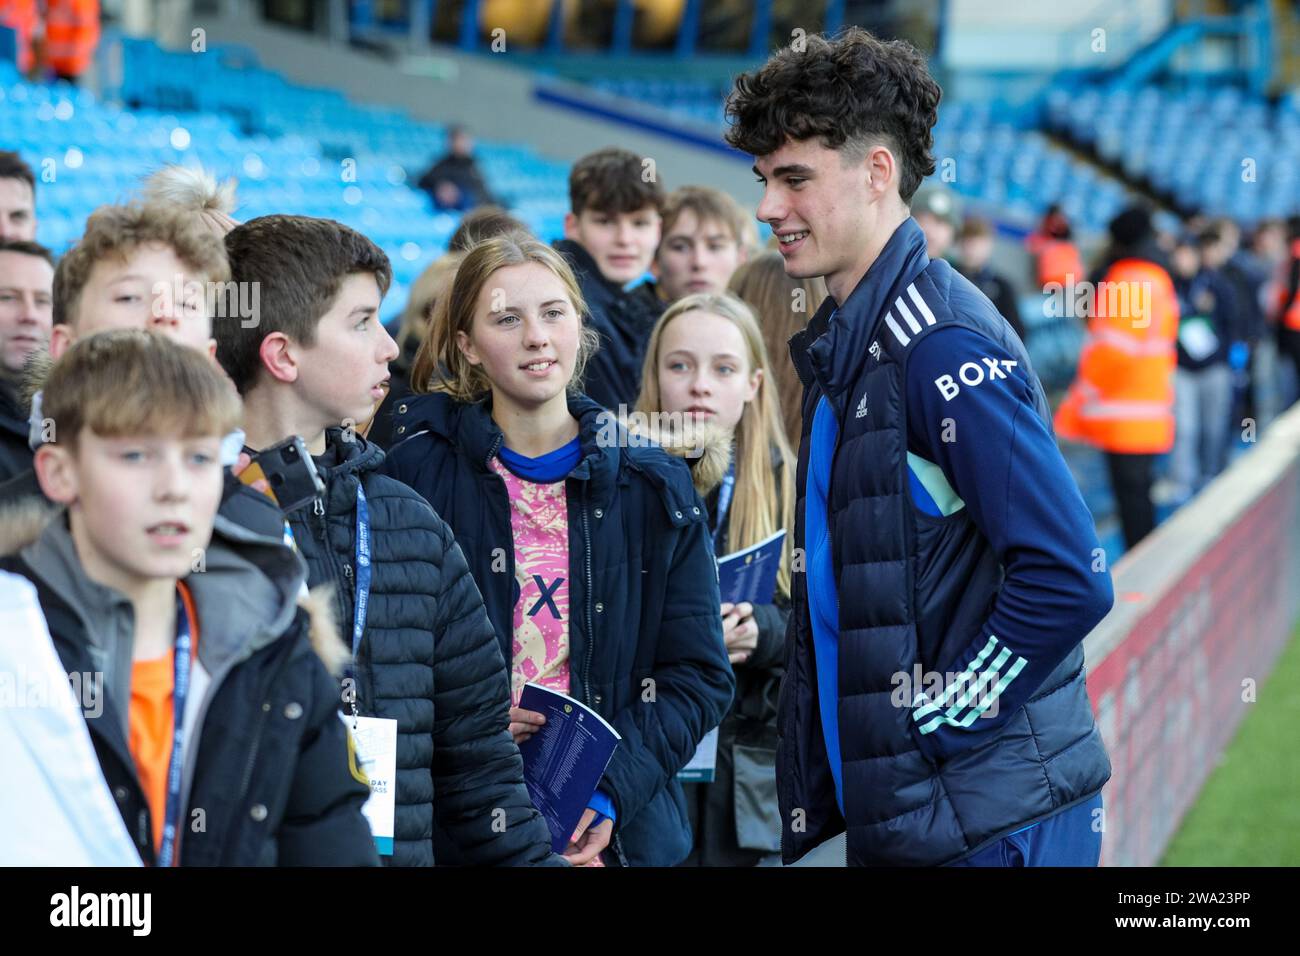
(839, 435)
(591, 638)
(591, 626)
(839, 439)
(337, 571)
(492, 450)
(510, 552)
(327, 553)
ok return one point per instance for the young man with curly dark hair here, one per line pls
(934, 704)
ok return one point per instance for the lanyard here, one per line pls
(180, 691)
(724, 503)
(363, 571)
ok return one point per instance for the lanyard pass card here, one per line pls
(374, 744)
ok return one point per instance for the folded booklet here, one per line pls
(565, 759)
(750, 575)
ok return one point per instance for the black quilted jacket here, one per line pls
(429, 658)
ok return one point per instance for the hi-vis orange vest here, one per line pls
(21, 17)
(71, 35)
(1291, 310)
(1058, 259)
(1122, 399)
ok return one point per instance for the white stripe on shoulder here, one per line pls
(906, 313)
(920, 304)
(893, 327)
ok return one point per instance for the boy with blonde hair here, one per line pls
(139, 266)
(191, 620)
(156, 267)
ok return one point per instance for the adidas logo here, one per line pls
(862, 408)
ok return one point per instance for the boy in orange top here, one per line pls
(133, 567)
(151, 717)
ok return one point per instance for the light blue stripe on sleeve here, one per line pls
(931, 492)
(927, 714)
(924, 706)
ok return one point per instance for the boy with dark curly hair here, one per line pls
(934, 704)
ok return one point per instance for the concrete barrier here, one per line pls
(1203, 607)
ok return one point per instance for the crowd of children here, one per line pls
(468, 511)
(483, 511)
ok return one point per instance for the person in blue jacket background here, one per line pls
(934, 704)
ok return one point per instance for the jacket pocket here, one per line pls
(758, 816)
(949, 618)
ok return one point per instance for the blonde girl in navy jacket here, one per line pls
(706, 360)
(591, 547)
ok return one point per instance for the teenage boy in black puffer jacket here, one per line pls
(425, 651)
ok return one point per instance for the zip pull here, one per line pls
(318, 507)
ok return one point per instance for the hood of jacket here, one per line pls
(36, 370)
(16, 396)
(706, 449)
(26, 391)
(609, 449)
